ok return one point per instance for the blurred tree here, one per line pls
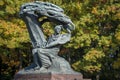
(94, 47)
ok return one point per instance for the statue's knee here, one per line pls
(34, 51)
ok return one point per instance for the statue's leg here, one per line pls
(45, 59)
(35, 59)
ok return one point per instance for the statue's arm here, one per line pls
(61, 40)
(52, 44)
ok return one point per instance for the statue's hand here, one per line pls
(65, 38)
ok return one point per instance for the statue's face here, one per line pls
(57, 29)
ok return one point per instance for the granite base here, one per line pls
(48, 77)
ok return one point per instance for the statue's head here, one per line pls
(58, 29)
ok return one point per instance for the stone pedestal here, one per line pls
(44, 76)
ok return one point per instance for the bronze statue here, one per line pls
(45, 52)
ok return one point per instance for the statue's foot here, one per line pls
(43, 69)
(36, 68)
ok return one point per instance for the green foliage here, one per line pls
(95, 44)
(12, 35)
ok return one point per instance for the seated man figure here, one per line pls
(48, 52)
